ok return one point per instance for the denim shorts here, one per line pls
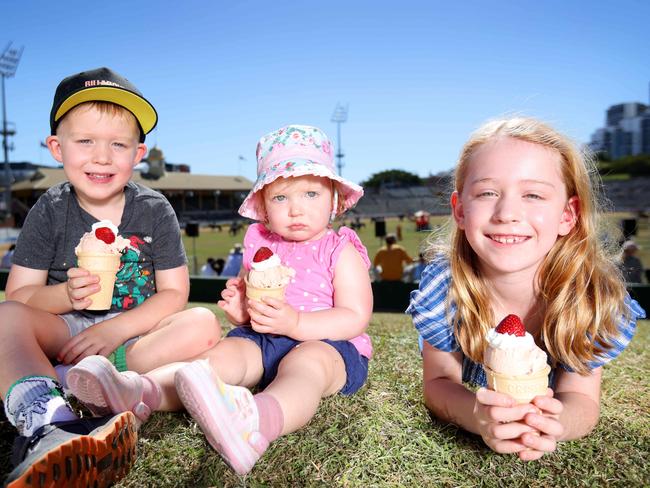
(276, 347)
(78, 321)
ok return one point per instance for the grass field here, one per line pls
(383, 436)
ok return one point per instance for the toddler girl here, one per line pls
(295, 351)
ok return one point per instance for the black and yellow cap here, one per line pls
(102, 85)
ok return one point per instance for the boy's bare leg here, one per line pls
(28, 337)
(311, 371)
(179, 337)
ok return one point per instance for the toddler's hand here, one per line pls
(500, 421)
(546, 423)
(233, 300)
(273, 316)
(80, 285)
(98, 339)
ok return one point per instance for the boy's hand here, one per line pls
(273, 316)
(80, 285)
(99, 339)
(546, 423)
(233, 302)
(501, 421)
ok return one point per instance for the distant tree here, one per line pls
(638, 165)
(392, 178)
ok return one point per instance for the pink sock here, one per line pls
(271, 416)
(151, 393)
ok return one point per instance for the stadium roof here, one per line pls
(45, 178)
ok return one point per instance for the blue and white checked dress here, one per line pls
(432, 316)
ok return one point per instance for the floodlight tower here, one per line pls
(339, 116)
(8, 64)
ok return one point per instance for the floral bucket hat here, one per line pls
(296, 150)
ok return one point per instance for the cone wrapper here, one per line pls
(522, 388)
(254, 293)
(105, 266)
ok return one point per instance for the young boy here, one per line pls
(99, 121)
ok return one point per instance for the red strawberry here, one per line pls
(262, 254)
(511, 325)
(105, 234)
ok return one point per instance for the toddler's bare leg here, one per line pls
(311, 371)
(237, 361)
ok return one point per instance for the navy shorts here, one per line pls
(276, 347)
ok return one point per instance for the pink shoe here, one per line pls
(226, 414)
(104, 390)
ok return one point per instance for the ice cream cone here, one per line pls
(522, 388)
(105, 266)
(254, 293)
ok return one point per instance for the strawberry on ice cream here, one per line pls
(267, 276)
(267, 271)
(99, 252)
(513, 363)
(103, 238)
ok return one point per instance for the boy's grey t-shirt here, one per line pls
(56, 223)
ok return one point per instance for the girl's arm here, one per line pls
(580, 397)
(347, 319)
(571, 412)
(493, 416)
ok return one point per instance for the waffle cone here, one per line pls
(105, 266)
(522, 388)
(254, 293)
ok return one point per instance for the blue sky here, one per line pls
(418, 76)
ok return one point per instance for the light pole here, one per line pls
(339, 116)
(8, 64)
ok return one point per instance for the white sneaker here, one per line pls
(227, 414)
(103, 389)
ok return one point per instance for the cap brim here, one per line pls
(138, 106)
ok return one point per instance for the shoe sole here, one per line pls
(94, 384)
(196, 389)
(96, 460)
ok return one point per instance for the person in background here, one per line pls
(208, 268)
(7, 257)
(233, 261)
(413, 272)
(631, 266)
(218, 265)
(391, 259)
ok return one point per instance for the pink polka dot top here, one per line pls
(314, 262)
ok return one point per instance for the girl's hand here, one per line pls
(273, 316)
(233, 300)
(547, 425)
(500, 421)
(80, 285)
(99, 339)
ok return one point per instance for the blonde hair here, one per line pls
(106, 108)
(580, 289)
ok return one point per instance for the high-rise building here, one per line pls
(626, 133)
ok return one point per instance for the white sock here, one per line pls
(34, 401)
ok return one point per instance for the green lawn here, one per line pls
(383, 436)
